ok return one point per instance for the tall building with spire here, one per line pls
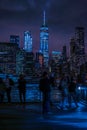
(44, 37)
(27, 41)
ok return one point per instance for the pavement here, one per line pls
(17, 116)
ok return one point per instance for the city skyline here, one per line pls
(61, 16)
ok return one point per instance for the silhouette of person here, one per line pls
(52, 79)
(22, 88)
(72, 93)
(44, 87)
(63, 87)
(8, 88)
(2, 90)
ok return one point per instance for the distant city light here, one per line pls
(79, 88)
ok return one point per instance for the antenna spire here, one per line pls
(44, 18)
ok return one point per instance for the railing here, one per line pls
(32, 94)
(82, 93)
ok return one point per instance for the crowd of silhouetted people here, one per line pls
(8, 83)
(65, 84)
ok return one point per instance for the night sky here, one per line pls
(62, 16)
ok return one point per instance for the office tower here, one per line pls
(15, 39)
(72, 47)
(79, 36)
(77, 51)
(64, 53)
(27, 41)
(39, 60)
(56, 56)
(73, 56)
(25, 62)
(55, 61)
(8, 53)
(20, 64)
(29, 64)
(44, 36)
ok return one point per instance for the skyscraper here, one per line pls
(79, 36)
(44, 36)
(15, 39)
(64, 53)
(27, 41)
(73, 47)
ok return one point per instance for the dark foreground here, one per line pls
(29, 117)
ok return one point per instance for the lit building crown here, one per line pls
(27, 41)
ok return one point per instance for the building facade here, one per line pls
(79, 38)
(56, 61)
(8, 57)
(44, 38)
(15, 39)
(27, 41)
(39, 60)
(20, 61)
(64, 53)
(77, 52)
(25, 63)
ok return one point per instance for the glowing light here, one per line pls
(79, 87)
